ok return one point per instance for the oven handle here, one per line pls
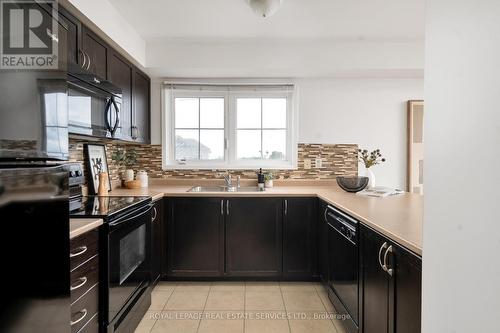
(338, 212)
(127, 218)
(112, 104)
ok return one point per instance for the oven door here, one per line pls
(128, 259)
(93, 111)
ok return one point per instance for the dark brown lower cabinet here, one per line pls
(299, 238)
(391, 286)
(254, 237)
(157, 236)
(195, 236)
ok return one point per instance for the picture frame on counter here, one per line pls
(95, 158)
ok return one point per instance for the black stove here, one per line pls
(108, 207)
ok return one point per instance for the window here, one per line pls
(233, 127)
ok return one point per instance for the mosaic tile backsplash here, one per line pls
(337, 160)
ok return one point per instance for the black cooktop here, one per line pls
(106, 207)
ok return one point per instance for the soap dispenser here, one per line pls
(260, 180)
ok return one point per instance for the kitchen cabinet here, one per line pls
(74, 27)
(195, 236)
(391, 286)
(254, 237)
(299, 237)
(84, 282)
(96, 52)
(322, 238)
(120, 74)
(141, 107)
(157, 236)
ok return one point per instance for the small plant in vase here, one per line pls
(124, 159)
(370, 159)
(268, 179)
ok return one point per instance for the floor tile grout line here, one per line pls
(204, 306)
(286, 310)
(326, 310)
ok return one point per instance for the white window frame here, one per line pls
(230, 161)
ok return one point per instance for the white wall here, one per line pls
(112, 23)
(369, 112)
(461, 269)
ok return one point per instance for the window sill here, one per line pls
(170, 167)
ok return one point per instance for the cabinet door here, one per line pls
(323, 243)
(254, 236)
(156, 241)
(74, 27)
(299, 232)
(141, 107)
(96, 51)
(120, 74)
(195, 237)
(375, 284)
(407, 291)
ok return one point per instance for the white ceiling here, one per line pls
(387, 19)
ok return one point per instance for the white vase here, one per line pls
(269, 183)
(128, 175)
(371, 178)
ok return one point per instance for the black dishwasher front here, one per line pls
(343, 265)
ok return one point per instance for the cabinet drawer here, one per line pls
(92, 326)
(83, 247)
(84, 309)
(84, 277)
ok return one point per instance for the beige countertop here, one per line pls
(78, 226)
(399, 218)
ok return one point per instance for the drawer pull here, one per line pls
(81, 284)
(84, 314)
(81, 250)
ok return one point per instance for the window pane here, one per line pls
(186, 144)
(274, 112)
(248, 144)
(248, 113)
(212, 144)
(274, 144)
(186, 113)
(212, 112)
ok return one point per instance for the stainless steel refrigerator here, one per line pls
(34, 206)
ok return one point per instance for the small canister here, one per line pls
(142, 176)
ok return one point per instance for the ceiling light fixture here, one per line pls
(264, 8)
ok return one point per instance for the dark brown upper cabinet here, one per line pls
(120, 74)
(141, 107)
(96, 53)
(74, 28)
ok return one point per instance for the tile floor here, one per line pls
(237, 307)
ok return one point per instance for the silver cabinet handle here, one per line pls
(84, 314)
(88, 63)
(382, 248)
(227, 206)
(324, 214)
(388, 270)
(81, 250)
(84, 58)
(81, 284)
(222, 207)
(286, 207)
(155, 214)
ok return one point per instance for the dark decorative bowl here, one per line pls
(353, 183)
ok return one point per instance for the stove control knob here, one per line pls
(78, 173)
(71, 174)
(349, 234)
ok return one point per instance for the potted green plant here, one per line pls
(268, 179)
(124, 159)
(370, 159)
